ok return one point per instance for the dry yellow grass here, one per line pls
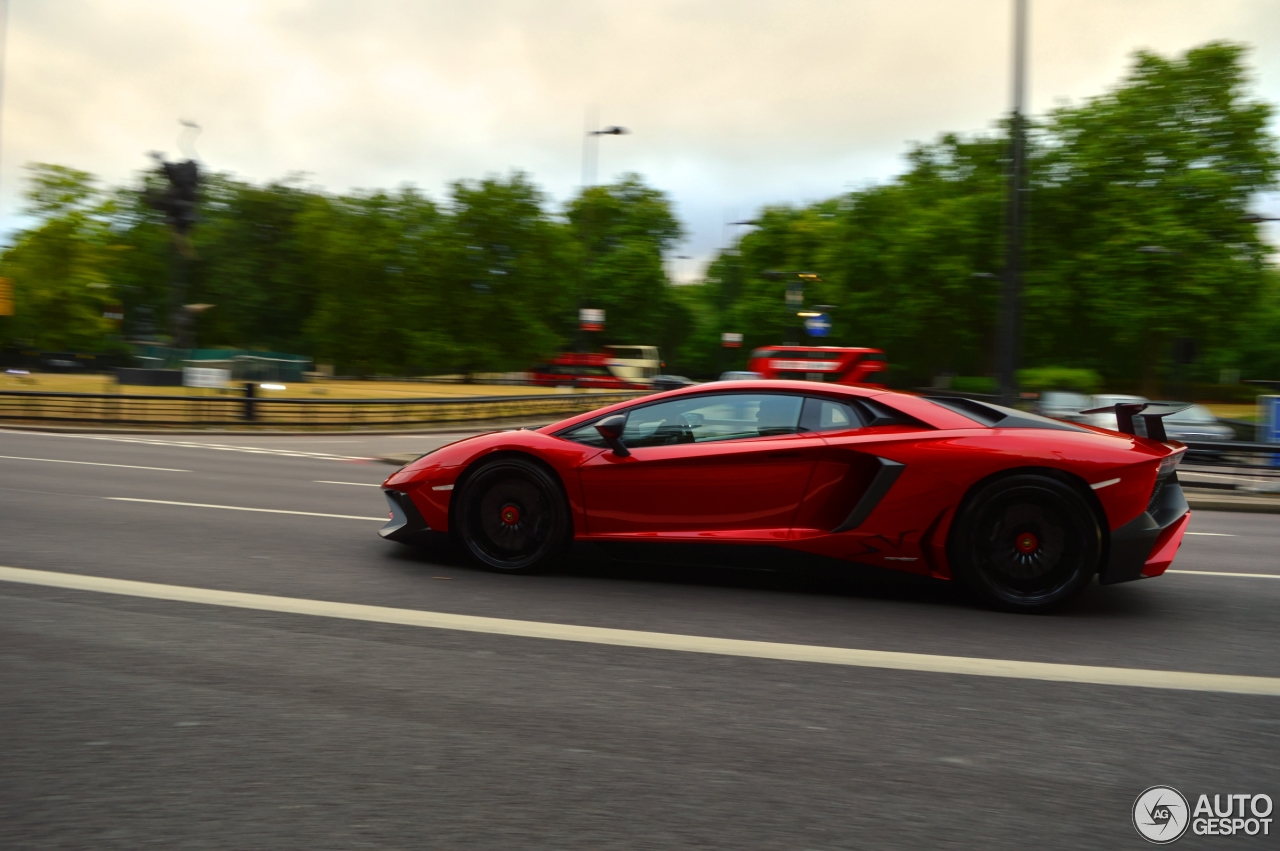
(1233, 411)
(320, 389)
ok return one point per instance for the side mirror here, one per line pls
(610, 429)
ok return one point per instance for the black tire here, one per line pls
(1026, 543)
(511, 516)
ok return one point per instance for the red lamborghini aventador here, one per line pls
(1022, 509)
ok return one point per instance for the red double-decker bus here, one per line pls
(830, 364)
(581, 369)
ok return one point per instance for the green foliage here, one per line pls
(1059, 378)
(63, 266)
(1136, 237)
(374, 282)
(622, 232)
(973, 384)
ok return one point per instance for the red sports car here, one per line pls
(1022, 509)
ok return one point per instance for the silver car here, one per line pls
(1196, 423)
(1062, 405)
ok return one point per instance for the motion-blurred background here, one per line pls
(427, 188)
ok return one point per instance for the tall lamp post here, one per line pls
(590, 156)
(1011, 291)
(591, 147)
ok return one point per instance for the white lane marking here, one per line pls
(242, 508)
(356, 484)
(443, 488)
(1225, 573)
(93, 464)
(1100, 485)
(190, 444)
(1212, 534)
(920, 662)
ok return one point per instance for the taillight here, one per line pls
(1170, 463)
(1164, 475)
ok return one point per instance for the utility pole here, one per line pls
(1012, 289)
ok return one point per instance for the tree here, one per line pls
(62, 267)
(623, 232)
(1137, 224)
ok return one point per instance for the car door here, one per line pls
(720, 465)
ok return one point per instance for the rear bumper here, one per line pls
(1145, 546)
(406, 521)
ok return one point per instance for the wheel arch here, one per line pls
(1070, 479)
(487, 458)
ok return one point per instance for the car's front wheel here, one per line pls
(511, 516)
(1026, 543)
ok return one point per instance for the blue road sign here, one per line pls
(1270, 418)
(818, 326)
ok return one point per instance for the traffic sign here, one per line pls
(818, 326)
(591, 319)
(1270, 410)
(730, 340)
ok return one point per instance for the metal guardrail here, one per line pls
(1235, 457)
(121, 409)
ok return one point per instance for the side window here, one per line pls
(829, 415)
(700, 419)
(585, 434)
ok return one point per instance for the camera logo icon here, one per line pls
(1161, 815)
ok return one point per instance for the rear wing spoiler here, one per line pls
(1152, 414)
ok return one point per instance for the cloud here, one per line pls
(732, 103)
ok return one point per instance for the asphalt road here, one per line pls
(128, 722)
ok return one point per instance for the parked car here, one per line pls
(671, 382)
(1062, 405)
(1196, 423)
(740, 375)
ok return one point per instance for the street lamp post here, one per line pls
(1011, 291)
(590, 156)
(591, 147)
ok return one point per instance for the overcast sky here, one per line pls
(732, 104)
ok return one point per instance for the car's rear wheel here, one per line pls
(511, 516)
(1026, 543)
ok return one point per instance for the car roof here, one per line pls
(810, 388)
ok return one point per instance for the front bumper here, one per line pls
(406, 521)
(1145, 546)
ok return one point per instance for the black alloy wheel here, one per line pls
(1026, 543)
(511, 516)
